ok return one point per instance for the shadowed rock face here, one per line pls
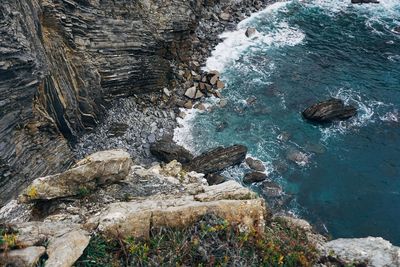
(62, 61)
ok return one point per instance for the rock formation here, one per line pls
(328, 111)
(61, 62)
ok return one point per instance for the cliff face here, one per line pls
(61, 61)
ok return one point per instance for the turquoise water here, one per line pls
(348, 181)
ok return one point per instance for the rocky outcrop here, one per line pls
(166, 150)
(328, 111)
(98, 169)
(61, 62)
(218, 159)
(370, 251)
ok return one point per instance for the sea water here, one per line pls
(346, 178)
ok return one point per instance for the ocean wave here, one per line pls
(235, 42)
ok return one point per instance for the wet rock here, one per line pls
(167, 150)
(25, 257)
(254, 177)
(214, 79)
(373, 251)
(328, 111)
(364, 1)
(218, 159)
(272, 189)
(250, 32)
(223, 103)
(188, 104)
(97, 169)
(251, 100)
(396, 30)
(214, 178)
(255, 164)
(298, 157)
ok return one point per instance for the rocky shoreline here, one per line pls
(134, 123)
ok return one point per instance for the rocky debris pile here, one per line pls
(329, 110)
(132, 124)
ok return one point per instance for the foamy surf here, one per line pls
(235, 42)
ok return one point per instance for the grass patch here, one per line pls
(209, 242)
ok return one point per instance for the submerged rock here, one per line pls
(168, 150)
(254, 177)
(218, 159)
(100, 168)
(328, 111)
(272, 189)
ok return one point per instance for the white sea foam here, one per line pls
(183, 133)
(235, 42)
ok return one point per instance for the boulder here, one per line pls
(193, 93)
(25, 257)
(214, 79)
(225, 16)
(214, 178)
(220, 85)
(218, 159)
(228, 190)
(98, 169)
(64, 250)
(255, 164)
(328, 111)
(373, 251)
(250, 32)
(396, 30)
(167, 150)
(254, 177)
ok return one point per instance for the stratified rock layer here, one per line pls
(62, 61)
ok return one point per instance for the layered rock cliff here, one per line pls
(62, 61)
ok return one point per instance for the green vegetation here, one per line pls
(8, 238)
(209, 242)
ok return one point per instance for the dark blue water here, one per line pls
(347, 176)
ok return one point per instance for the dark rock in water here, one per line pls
(214, 178)
(254, 177)
(272, 189)
(250, 32)
(117, 129)
(328, 111)
(218, 159)
(255, 164)
(221, 126)
(364, 1)
(166, 150)
(396, 30)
